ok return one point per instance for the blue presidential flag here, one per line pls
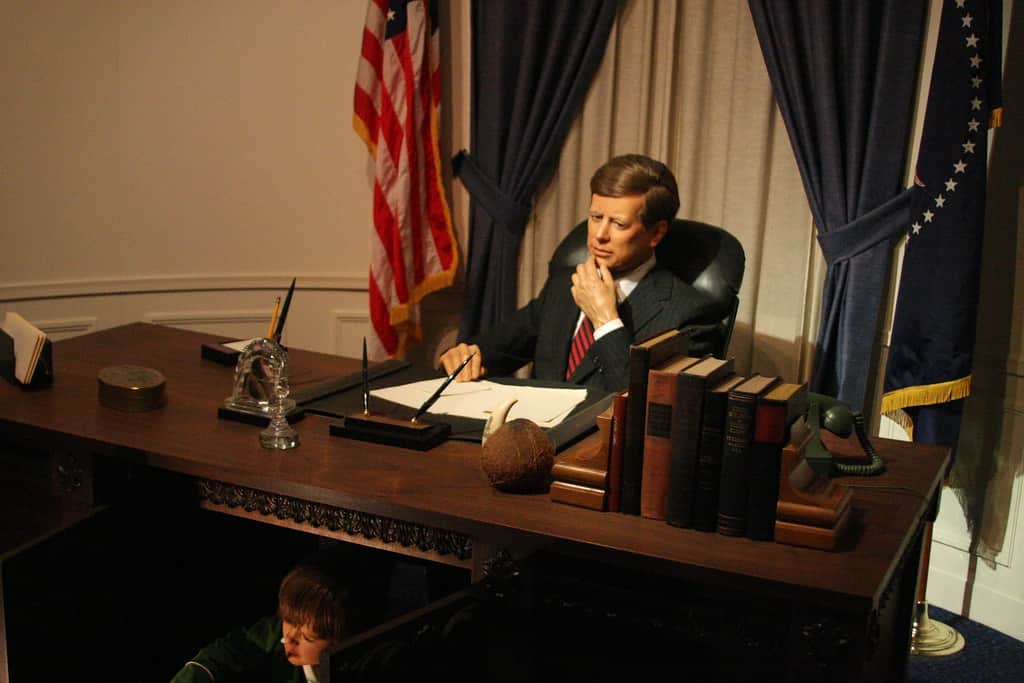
(930, 359)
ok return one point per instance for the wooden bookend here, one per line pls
(581, 496)
(813, 511)
(420, 436)
(586, 462)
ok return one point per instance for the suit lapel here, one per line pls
(646, 301)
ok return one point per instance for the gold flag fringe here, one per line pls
(995, 119)
(893, 402)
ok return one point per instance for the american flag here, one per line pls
(931, 352)
(397, 99)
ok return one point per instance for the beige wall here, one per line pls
(153, 148)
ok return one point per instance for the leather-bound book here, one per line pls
(709, 458)
(741, 407)
(662, 393)
(687, 418)
(642, 357)
(575, 494)
(615, 453)
(776, 412)
(585, 462)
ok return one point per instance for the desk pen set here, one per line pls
(261, 396)
(412, 433)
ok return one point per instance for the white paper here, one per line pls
(545, 406)
(239, 345)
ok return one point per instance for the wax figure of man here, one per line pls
(620, 290)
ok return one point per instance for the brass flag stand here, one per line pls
(931, 638)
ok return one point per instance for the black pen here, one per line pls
(444, 385)
(366, 383)
(284, 313)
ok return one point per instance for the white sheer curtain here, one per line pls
(684, 82)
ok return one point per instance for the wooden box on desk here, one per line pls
(580, 473)
(813, 511)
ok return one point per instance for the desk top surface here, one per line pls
(445, 486)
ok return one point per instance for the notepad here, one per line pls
(28, 345)
(543, 405)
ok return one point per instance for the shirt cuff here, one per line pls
(607, 328)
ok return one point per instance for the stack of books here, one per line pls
(695, 444)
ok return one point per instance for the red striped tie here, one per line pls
(580, 343)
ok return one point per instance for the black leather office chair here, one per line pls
(707, 257)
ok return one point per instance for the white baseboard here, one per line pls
(987, 606)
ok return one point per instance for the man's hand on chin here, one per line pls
(593, 289)
(453, 358)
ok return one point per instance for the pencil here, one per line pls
(273, 318)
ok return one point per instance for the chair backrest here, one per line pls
(707, 257)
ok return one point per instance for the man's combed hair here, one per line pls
(309, 596)
(635, 174)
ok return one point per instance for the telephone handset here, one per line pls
(838, 418)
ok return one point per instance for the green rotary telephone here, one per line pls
(837, 417)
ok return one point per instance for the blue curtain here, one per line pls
(844, 74)
(533, 61)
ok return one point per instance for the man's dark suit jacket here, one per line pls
(542, 330)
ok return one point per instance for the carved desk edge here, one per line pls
(312, 517)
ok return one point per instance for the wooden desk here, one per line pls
(438, 504)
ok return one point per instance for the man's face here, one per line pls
(301, 646)
(616, 237)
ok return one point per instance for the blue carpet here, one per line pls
(988, 655)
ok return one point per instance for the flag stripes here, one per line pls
(396, 103)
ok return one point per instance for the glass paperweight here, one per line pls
(261, 389)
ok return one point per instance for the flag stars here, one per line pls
(973, 125)
(916, 227)
(975, 104)
(951, 185)
(960, 166)
(940, 201)
(391, 15)
(966, 19)
(972, 40)
(968, 147)
(976, 82)
(960, 4)
(976, 62)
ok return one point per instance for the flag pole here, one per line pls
(930, 638)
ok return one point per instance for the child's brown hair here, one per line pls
(311, 596)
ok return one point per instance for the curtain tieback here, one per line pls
(881, 223)
(502, 208)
